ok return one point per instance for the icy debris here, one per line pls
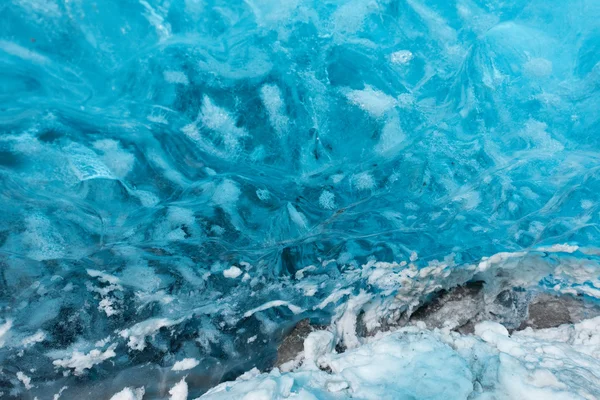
(489, 329)
(219, 120)
(57, 395)
(24, 379)
(363, 181)
(327, 200)
(318, 344)
(413, 256)
(374, 102)
(297, 217)
(37, 337)
(119, 161)
(391, 137)
(557, 363)
(163, 29)
(271, 304)
(4, 328)
(103, 276)
(226, 195)
(232, 272)
(137, 333)
(263, 194)
(185, 364)
(179, 391)
(106, 305)
(272, 98)
(453, 309)
(79, 361)
(372, 371)
(401, 57)
(22, 52)
(129, 394)
(346, 317)
(564, 248)
(487, 262)
(334, 297)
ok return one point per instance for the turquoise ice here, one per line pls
(188, 179)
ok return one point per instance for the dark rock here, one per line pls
(293, 343)
(547, 311)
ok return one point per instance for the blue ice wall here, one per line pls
(148, 146)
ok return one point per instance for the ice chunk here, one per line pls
(179, 391)
(37, 337)
(272, 98)
(232, 272)
(363, 181)
(79, 361)
(129, 394)
(401, 57)
(271, 304)
(219, 120)
(185, 364)
(4, 328)
(374, 102)
(136, 335)
(327, 200)
(24, 379)
(318, 344)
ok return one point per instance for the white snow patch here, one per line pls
(106, 305)
(363, 181)
(138, 332)
(219, 120)
(129, 394)
(559, 248)
(272, 98)
(4, 328)
(318, 344)
(37, 337)
(327, 200)
(179, 391)
(263, 194)
(79, 362)
(401, 57)
(57, 395)
(185, 364)
(103, 276)
(24, 379)
(297, 217)
(232, 272)
(374, 102)
(271, 304)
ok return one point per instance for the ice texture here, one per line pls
(187, 180)
(416, 363)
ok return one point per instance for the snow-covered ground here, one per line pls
(414, 362)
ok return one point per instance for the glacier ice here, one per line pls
(184, 182)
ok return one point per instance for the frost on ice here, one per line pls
(186, 184)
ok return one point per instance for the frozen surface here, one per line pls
(186, 180)
(415, 363)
